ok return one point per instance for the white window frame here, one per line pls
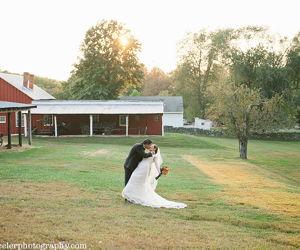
(47, 124)
(157, 118)
(3, 121)
(120, 120)
(17, 120)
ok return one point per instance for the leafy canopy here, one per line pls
(109, 64)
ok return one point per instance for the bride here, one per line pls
(141, 186)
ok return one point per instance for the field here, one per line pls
(69, 190)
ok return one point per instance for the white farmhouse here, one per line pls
(203, 124)
(173, 108)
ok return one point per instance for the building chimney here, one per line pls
(26, 79)
(31, 81)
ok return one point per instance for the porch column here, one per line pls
(8, 131)
(20, 127)
(91, 125)
(55, 126)
(29, 128)
(126, 125)
(162, 124)
(25, 125)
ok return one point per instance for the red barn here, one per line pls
(90, 117)
(84, 117)
(20, 89)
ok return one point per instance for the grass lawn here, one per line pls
(69, 190)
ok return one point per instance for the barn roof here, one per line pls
(97, 107)
(172, 104)
(17, 81)
(14, 106)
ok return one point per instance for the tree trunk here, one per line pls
(243, 143)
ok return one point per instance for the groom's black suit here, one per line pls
(136, 155)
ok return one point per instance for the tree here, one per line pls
(293, 61)
(53, 87)
(293, 67)
(164, 93)
(245, 111)
(272, 65)
(254, 98)
(135, 92)
(204, 59)
(108, 65)
(200, 60)
(259, 68)
(156, 81)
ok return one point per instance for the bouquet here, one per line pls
(163, 170)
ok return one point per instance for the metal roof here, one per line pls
(17, 81)
(97, 107)
(172, 104)
(14, 106)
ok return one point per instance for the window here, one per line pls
(48, 120)
(122, 120)
(2, 119)
(157, 118)
(17, 120)
(202, 123)
(137, 117)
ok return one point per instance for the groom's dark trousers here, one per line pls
(136, 155)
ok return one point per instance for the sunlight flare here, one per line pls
(124, 41)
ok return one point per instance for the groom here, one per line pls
(136, 155)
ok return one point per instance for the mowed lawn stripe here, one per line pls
(243, 186)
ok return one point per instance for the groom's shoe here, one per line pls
(127, 200)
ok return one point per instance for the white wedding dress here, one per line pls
(141, 186)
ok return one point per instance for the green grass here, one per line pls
(61, 190)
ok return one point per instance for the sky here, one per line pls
(43, 37)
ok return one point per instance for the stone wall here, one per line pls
(193, 131)
(282, 136)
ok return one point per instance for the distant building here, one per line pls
(76, 117)
(203, 124)
(173, 108)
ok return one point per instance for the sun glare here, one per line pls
(123, 41)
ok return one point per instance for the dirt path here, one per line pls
(96, 153)
(244, 186)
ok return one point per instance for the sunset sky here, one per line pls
(43, 37)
